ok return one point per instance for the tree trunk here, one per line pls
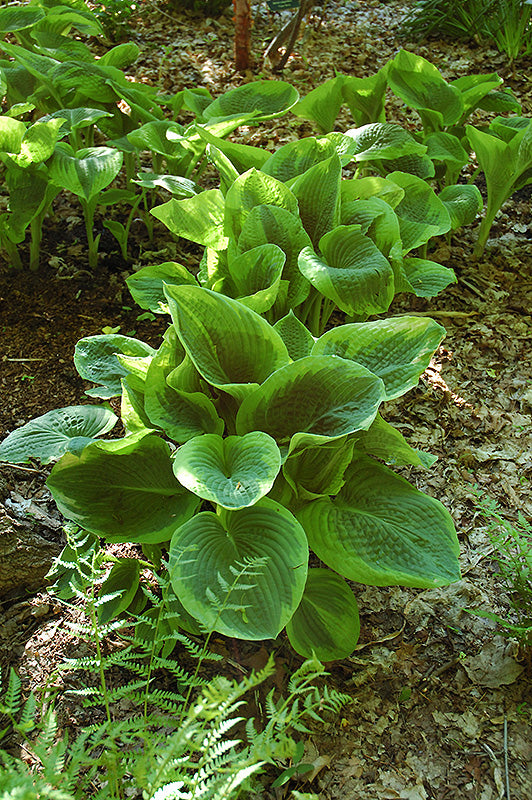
(242, 10)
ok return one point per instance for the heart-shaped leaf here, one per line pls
(231, 346)
(324, 397)
(154, 136)
(319, 469)
(426, 278)
(256, 275)
(398, 350)
(47, 438)
(234, 472)
(198, 218)
(387, 443)
(382, 531)
(297, 157)
(421, 213)
(146, 285)
(297, 338)
(365, 96)
(383, 140)
(85, 172)
(95, 360)
(463, 202)
(251, 189)
(241, 572)
(261, 99)
(124, 490)
(352, 272)
(322, 105)
(326, 623)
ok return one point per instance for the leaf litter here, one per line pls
(440, 700)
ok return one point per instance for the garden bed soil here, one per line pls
(441, 702)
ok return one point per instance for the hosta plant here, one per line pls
(248, 443)
(287, 232)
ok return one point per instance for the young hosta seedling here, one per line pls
(279, 435)
(504, 153)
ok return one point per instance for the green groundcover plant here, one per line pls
(251, 441)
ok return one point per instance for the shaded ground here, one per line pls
(434, 688)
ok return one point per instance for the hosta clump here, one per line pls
(248, 443)
(287, 232)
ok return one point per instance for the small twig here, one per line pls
(472, 288)
(24, 469)
(505, 745)
(24, 359)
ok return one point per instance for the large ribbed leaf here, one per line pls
(352, 272)
(447, 148)
(252, 564)
(365, 96)
(95, 360)
(85, 172)
(398, 350)
(231, 346)
(294, 158)
(262, 100)
(382, 531)
(322, 396)
(180, 413)
(421, 86)
(421, 213)
(48, 437)
(11, 134)
(318, 195)
(326, 623)
(198, 218)
(319, 469)
(426, 278)
(387, 443)
(251, 189)
(18, 18)
(383, 140)
(234, 472)
(463, 202)
(146, 285)
(153, 136)
(297, 338)
(322, 104)
(474, 88)
(124, 490)
(256, 275)
(270, 224)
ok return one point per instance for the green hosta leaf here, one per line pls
(365, 96)
(226, 169)
(234, 472)
(48, 437)
(387, 443)
(18, 18)
(421, 213)
(397, 350)
(153, 136)
(427, 278)
(294, 158)
(132, 411)
(146, 285)
(326, 624)
(199, 218)
(421, 86)
(85, 82)
(125, 490)
(269, 224)
(176, 185)
(352, 272)
(11, 134)
(231, 346)
(95, 360)
(256, 275)
(475, 88)
(383, 140)
(372, 186)
(318, 196)
(506, 128)
(122, 582)
(378, 221)
(121, 56)
(322, 105)
(447, 148)
(463, 202)
(420, 166)
(323, 397)
(241, 572)
(29, 191)
(382, 531)
(319, 469)
(262, 100)
(76, 118)
(85, 172)
(500, 101)
(297, 338)
(39, 141)
(251, 189)
(242, 156)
